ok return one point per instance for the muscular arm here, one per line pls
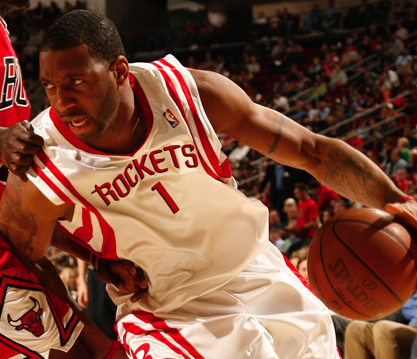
(331, 161)
(27, 217)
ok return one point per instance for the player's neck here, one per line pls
(128, 131)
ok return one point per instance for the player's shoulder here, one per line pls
(43, 118)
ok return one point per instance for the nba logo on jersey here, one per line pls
(169, 116)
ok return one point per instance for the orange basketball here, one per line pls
(362, 264)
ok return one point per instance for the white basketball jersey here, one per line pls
(171, 207)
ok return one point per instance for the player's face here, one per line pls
(82, 92)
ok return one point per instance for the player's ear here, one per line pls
(120, 69)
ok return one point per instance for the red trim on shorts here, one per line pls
(136, 330)
(109, 240)
(174, 333)
(174, 95)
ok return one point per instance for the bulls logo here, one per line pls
(169, 116)
(29, 321)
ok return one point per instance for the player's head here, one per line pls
(85, 27)
(9, 5)
(85, 73)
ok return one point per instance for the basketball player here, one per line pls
(34, 322)
(17, 143)
(134, 184)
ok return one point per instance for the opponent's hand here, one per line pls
(18, 144)
(406, 212)
(125, 276)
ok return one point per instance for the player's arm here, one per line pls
(27, 217)
(333, 162)
(18, 144)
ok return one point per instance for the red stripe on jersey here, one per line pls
(50, 184)
(174, 333)
(71, 138)
(136, 330)
(109, 240)
(174, 95)
(222, 170)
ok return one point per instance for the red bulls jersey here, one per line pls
(14, 105)
(33, 319)
(171, 207)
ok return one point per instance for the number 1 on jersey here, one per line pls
(165, 195)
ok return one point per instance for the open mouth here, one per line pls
(79, 122)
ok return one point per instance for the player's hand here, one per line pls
(125, 276)
(18, 144)
(406, 212)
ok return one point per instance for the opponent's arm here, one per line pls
(331, 161)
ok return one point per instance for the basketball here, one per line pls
(361, 264)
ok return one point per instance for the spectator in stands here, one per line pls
(307, 213)
(299, 112)
(279, 185)
(325, 216)
(239, 152)
(339, 206)
(395, 162)
(401, 179)
(338, 76)
(253, 65)
(402, 32)
(313, 21)
(316, 124)
(404, 62)
(384, 338)
(323, 110)
(349, 53)
(364, 47)
(412, 164)
(403, 145)
(392, 80)
(302, 268)
(298, 256)
(354, 139)
(395, 47)
(320, 87)
(279, 102)
(208, 61)
(286, 23)
(274, 23)
(331, 16)
(323, 195)
(293, 47)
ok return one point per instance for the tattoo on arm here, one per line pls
(17, 223)
(277, 136)
(349, 178)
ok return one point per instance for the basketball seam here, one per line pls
(330, 282)
(360, 259)
(385, 231)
